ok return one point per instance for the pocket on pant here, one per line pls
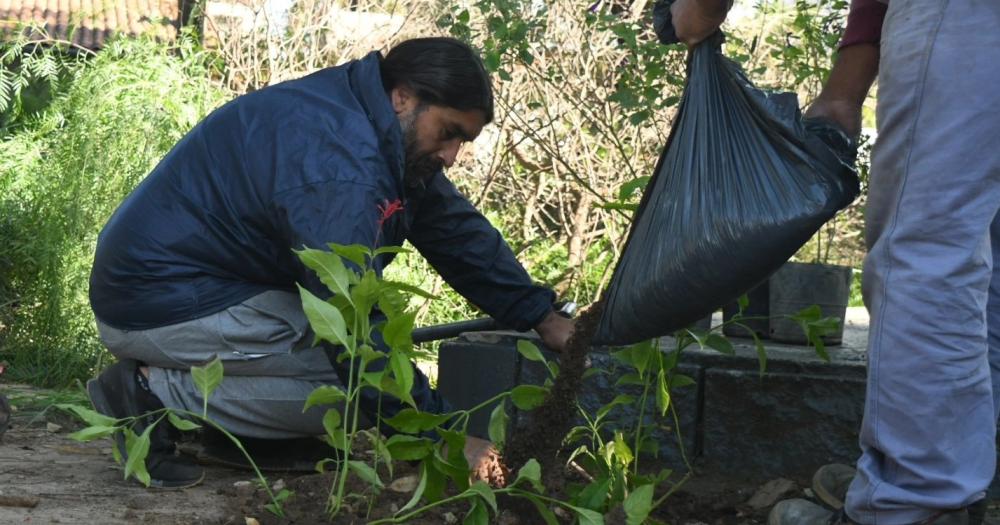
(269, 323)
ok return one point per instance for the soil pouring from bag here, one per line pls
(547, 425)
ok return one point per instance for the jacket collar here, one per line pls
(366, 84)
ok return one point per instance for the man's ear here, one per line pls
(403, 99)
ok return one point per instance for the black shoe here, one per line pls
(270, 455)
(830, 484)
(803, 512)
(117, 393)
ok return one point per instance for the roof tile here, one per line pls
(94, 21)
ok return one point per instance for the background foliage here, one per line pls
(585, 98)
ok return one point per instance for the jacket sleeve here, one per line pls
(474, 259)
(864, 23)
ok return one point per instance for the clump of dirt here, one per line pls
(541, 437)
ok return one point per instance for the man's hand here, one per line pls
(485, 462)
(555, 331)
(847, 86)
(695, 20)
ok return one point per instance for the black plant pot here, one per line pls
(759, 307)
(796, 286)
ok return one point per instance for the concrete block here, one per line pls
(470, 372)
(780, 424)
(477, 366)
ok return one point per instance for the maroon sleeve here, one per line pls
(864, 23)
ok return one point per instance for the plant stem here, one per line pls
(239, 445)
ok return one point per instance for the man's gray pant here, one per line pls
(928, 436)
(269, 365)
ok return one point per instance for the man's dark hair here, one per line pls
(441, 71)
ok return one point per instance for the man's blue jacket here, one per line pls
(301, 163)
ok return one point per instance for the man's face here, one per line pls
(432, 134)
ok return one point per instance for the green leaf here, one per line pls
(531, 472)
(207, 378)
(409, 448)
(530, 351)
(629, 379)
(409, 288)
(369, 354)
(329, 268)
(180, 423)
(662, 393)
(392, 303)
(136, 448)
(421, 487)
(364, 294)
(630, 187)
(402, 371)
(92, 433)
(413, 421)
(117, 454)
(485, 492)
(326, 320)
(366, 473)
(808, 314)
(681, 380)
(398, 332)
(743, 302)
(356, 253)
(321, 464)
(719, 343)
(390, 249)
(638, 505)
(478, 515)
(587, 516)
(456, 466)
(89, 416)
(594, 494)
(324, 395)
(275, 507)
(622, 450)
(380, 381)
(437, 481)
(761, 352)
(497, 428)
(620, 399)
(528, 397)
(331, 421)
(338, 439)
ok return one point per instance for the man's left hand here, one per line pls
(555, 331)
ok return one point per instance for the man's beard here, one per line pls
(418, 167)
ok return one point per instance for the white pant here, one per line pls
(928, 436)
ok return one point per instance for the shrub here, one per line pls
(63, 174)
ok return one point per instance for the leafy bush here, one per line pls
(63, 173)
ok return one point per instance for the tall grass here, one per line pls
(61, 177)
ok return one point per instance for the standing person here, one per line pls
(933, 237)
(197, 262)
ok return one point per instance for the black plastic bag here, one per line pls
(741, 185)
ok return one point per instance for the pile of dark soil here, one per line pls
(542, 435)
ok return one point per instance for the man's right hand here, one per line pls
(485, 462)
(695, 20)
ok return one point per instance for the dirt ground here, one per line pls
(71, 482)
